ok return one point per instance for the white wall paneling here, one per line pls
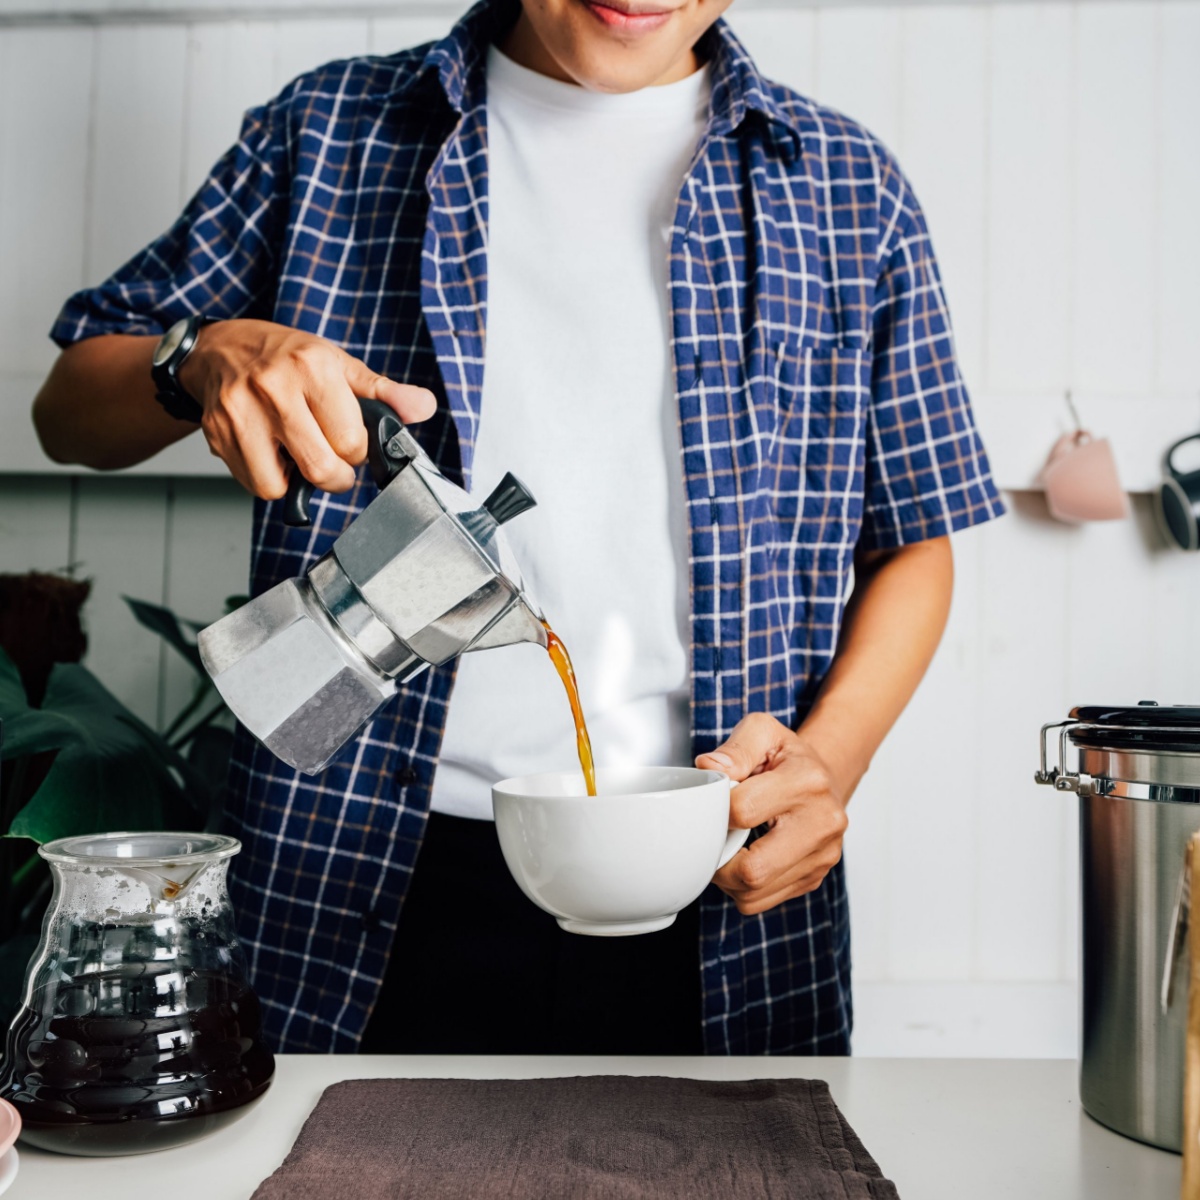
(1114, 204)
(1177, 295)
(924, 775)
(44, 152)
(945, 105)
(1031, 152)
(231, 66)
(1017, 896)
(860, 67)
(1053, 147)
(389, 34)
(966, 1020)
(304, 44)
(783, 42)
(137, 148)
(35, 524)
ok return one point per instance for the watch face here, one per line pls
(169, 342)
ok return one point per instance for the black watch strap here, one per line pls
(173, 348)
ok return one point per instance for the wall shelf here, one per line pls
(1018, 431)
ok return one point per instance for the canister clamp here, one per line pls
(1079, 781)
(1055, 776)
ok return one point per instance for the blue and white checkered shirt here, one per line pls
(820, 407)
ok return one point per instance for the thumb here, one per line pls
(412, 404)
(748, 748)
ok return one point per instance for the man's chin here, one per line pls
(616, 74)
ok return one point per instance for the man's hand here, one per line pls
(800, 783)
(266, 388)
(782, 781)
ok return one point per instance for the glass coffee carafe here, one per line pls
(137, 1029)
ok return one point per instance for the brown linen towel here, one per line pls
(611, 1136)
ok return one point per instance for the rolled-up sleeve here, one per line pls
(219, 259)
(927, 473)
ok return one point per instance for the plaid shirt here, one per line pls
(820, 407)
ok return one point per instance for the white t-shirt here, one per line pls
(579, 402)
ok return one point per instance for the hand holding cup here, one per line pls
(785, 784)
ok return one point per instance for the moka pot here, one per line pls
(422, 575)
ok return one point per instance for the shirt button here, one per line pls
(406, 776)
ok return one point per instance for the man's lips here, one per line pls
(626, 19)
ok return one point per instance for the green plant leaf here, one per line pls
(194, 792)
(27, 730)
(12, 690)
(169, 627)
(111, 771)
(208, 753)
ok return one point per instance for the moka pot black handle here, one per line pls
(382, 425)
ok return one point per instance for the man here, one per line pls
(717, 351)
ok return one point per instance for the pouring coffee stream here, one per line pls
(566, 672)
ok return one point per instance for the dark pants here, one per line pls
(476, 968)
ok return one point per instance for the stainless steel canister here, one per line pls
(1137, 775)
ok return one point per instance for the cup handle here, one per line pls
(1169, 457)
(734, 841)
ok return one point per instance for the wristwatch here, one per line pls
(173, 347)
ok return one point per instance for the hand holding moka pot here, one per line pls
(422, 575)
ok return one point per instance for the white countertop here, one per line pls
(942, 1129)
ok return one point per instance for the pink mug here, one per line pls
(1080, 480)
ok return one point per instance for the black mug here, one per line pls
(1179, 499)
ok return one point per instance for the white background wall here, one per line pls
(1055, 148)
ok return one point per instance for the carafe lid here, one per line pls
(141, 849)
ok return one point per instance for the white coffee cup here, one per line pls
(623, 861)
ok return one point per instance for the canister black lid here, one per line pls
(1161, 726)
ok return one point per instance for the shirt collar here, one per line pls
(459, 61)
(738, 86)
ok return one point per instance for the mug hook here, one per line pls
(1070, 399)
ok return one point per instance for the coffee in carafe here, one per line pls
(137, 1029)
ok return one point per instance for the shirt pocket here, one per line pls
(816, 465)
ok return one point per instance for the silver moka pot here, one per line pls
(423, 574)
